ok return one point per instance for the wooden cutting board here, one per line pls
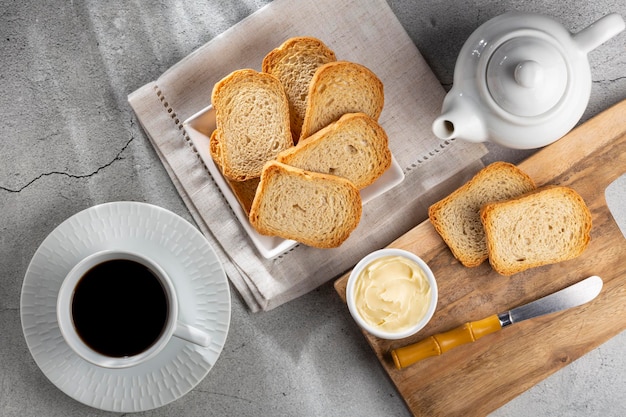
(477, 378)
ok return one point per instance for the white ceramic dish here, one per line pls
(199, 128)
(350, 295)
(195, 270)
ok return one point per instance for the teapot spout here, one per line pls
(459, 120)
(599, 32)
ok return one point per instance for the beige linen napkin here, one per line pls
(364, 32)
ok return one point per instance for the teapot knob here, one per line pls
(528, 74)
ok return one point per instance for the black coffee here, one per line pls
(119, 308)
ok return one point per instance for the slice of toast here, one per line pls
(354, 147)
(294, 63)
(252, 117)
(315, 209)
(338, 88)
(457, 217)
(244, 191)
(549, 225)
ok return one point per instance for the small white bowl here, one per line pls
(350, 296)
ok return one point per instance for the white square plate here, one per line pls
(199, 128)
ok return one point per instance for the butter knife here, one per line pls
(572, 296)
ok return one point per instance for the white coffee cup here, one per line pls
(172, 327)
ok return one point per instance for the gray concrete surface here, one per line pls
(69, 140)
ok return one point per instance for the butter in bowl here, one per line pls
(392, 293)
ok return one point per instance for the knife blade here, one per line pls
(572, 296)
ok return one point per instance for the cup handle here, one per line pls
(192, 334)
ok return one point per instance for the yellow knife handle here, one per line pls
(443, 342)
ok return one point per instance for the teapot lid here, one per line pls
(527, 75)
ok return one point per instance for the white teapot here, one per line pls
(521, 80)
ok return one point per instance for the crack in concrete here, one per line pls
(235, 397)
(610, 80)
(69, 175)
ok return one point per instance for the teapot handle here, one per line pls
(599, 32)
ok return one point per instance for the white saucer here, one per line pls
(199, 128)
(201, 285)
